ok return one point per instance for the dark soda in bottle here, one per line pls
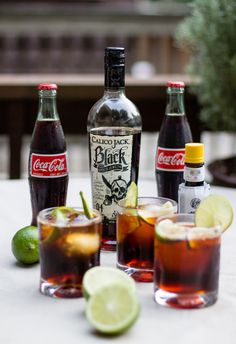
(48, 174)
(173, 135)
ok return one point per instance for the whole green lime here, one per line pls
(25, 245)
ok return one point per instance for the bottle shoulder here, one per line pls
(175, 131)
(114, 111)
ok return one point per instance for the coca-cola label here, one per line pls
(170, 159)
(48, 166)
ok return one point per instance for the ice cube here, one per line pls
(81, 244)
(154, 210)
(149, 210)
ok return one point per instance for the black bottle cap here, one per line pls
(114, 56)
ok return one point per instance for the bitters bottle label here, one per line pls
(170, 159)
(194, 174)
(111, 158)
(48, 166)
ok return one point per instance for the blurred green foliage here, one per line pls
(210, 33)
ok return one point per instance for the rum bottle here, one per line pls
(114, 129)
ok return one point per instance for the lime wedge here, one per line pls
(214, 210)
(131, 200)
(87, 211)
(61, 216)
(147, 216)
(49, 234)
(99, 276)
(113, 309)
(149, 213)
(203, 237)
(168, 230)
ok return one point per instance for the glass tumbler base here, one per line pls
(60, 291)
(185, 301)
(139, 275)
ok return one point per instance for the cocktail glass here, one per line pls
(186, 263)
(135, 235)
(69, 246)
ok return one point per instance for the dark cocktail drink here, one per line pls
(69, 246)
(135, 235)
(186, 266)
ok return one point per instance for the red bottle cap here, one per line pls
(176, 84)
(47, 87)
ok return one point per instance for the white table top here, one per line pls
(26, 316)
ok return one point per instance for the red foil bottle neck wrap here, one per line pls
(170, 159)
(48, 165)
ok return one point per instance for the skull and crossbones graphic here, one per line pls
(118, 189)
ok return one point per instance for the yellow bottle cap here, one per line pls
(194, 153)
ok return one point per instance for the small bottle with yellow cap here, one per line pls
(194, 189)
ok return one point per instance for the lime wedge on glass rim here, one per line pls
(214, 210)
(87, 211)
(100, 276)
(167, 230)
(131, 200)
(113, 309)
(152, 211)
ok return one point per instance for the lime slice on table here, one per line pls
(113, 309)
(100, 276)
(214, 210)
(131, 200)
(87, 211)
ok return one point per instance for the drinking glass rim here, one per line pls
(216, 229)
(43, 220)
(152, 198)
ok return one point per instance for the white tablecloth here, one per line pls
(26, 316)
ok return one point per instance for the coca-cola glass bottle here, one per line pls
(114, 129)
(173, 135)
(48, 174)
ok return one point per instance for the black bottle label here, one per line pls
(111, 158)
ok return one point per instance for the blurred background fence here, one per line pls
(69, 36)
(63, 42)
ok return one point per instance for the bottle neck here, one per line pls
(194, 174)
(175, 102)
(114, 78)
(47, 105)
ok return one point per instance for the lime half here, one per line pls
(100, 276)
(214, 210)
(131, 200)
(113, 309)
